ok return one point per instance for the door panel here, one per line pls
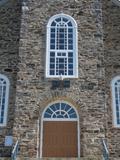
(60, 139)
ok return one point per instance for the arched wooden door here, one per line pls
(60, 131)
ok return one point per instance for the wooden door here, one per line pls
(60, 139)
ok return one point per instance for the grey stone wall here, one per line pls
(9, 46)
(111, 19)
(34, 91)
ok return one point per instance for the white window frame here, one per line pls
(6, 100)
(75, 48)
(114, 80)
(60, 119)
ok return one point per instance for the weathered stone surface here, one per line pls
(9, 46)
(34, 91)
(22, 59)
(111, 19)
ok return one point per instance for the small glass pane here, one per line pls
(58, 54)
(54, 116)
(71, 111)
(70, 41)
(52, 66)
(52, 35)
(61, 35)
(70, 66)
(70, 47)
(52, 72)
(1, 120)
(52, 59)
(70, 72)
(53, 24)
(70, 36)
(63, 54)
(70, 54)
(73, 115)
(2, 113)
(49, 111)
(52, 41)
(52, 46)
(60, 116)
(52, 54)
(58, 19)
(67, 107)
(63, 106)
(118, 121)
(65, 19)
(61, 72)
(66, 116)
(70, 60)
(61, 66)
(4, 82)
(61, 60)
(46, 115)
(70, 30)
(57, 105)
(61, 30)
(69, 24)
(61, 46)
(53, 107)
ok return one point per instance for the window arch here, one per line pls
(4, 92)
(116, 100)
(60, 110)
(61, 52)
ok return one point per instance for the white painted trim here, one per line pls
(38, 137)
(74, 50)
(60, 119)
(113, 101)
(78, 132)
(15, 147)
(41, 138)
(61, 15)
(69, 119)
(105, 146)
(6, 99)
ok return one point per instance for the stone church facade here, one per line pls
(60, 78)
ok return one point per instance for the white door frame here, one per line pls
(59, 119)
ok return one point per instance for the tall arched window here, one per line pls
(116, 100)
(61, 52)
(4, 92)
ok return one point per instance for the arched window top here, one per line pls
(115, 84)
(62, 20)
(4, 80)
(115, 80)
(60, 110)
(4, 92)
